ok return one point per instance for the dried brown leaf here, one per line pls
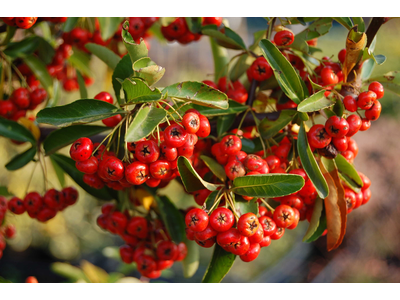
(355, 44)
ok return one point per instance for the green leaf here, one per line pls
(345, 21)
(22, 159)
(285, 74)
(318, 28)
(148, 70)
(316, 87)
(220, 58)
(248, 145)
(194, 24)
(310, 165)
(80, 111)
(145, 121)
(228, 39)
(315, 220)
(267, 185)
(360, 22)
(214, 167)
(138, 91)
(59, 172)
(300, 44)
(60, 138)
(80, 60)
(338, 108)
(172, 218)
(191, 180)
(224, 123)
(122, 70)
(197, 92)
(39, 69)
(367, 69)
(106, 55)
(191, 261)
(269, 128)
(68, 165)
(108, 26)
(348, 171)
(45, 50)
(4, 191)
(70, 24)
(135, 51)
(211, 199)
(82, 87)
(243, 207)
(242, 64)
(220, 264)
(315, 102)
(55, 96)
(15, 131)
(234, 108)
(22, 48)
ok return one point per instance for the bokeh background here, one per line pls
(371, 248)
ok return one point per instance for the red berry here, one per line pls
(169, 153)
(336, 127)
(252, 253)
(222, 219)
(112, 121)
(212, 21)
(365, 125)
(16, 206)
(137, 173)
(366, 181)
(175, 136)
(9, 231)
(258, 236)
(284, 216)
(266, 241)
(81, 149)
(206, 234)
(146, 264)
(31, 279)
(46, 214)
(21, 98)
(160, 169)
(278, 233)
(205, 128)
(366, 100)
(126, 253)
(342, 55)
(33, 202)
(328, 76)
(350, 103)
(268, 225)
(284, 38)
(211, 84)
(355, 124)
(366, 195)
(93, 180)
(176, 29)
(136, 27)
(137, 226)
(340, 143)
(70, 195)
(230, 144)
(147, 151)
(88, 166)
(248, 224)
(53, 199)
(182, 249)
(196, 219)
(104, 96)
(377, 88)
(200, 196)
(25, 22)
(234, 169)
(166, 250)
(191, 122)
(207, 243)
(260, 70)
(112, 168)
(318, 137)
(374, 112)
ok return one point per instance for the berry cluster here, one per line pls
(20, 101)
(178, 30)
(248, 236)
(283, 36)
(147, 242)
(43, 208)
(335, 135)
(21, 22)
(154, 159)
(234, 90)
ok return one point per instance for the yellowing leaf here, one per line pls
(94, 273)
(335, 205)
(28, 124)
(145, 198)
(355, 44)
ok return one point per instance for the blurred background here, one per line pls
(371, 248)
